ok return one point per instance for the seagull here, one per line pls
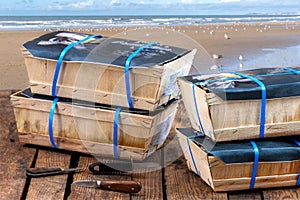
(216, 56)
(241, 65)
(241, 58)
(216, 67)
(226, 36)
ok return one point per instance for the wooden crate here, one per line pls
(151, 86)
(90, 130)
(227, 120)
(222, 176)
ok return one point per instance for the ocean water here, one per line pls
(60, 22)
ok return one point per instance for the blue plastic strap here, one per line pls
(263, 102)
(191, 152)
(60, 60)
(297, 142)
(127, 67)
(255, 165)
(298, 179)
(288, 72)
(275, 74)
(193, 160)
(50, 122)
(296, 72)
(197, 110)
(116, 128)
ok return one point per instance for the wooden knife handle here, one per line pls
(121, 186)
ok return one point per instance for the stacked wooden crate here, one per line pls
(244, 128)
(93, 114)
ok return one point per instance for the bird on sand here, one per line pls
(241, 58)
(216, 56)
(216, 67)
(226, 36)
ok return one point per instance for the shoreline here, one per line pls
(246, 39)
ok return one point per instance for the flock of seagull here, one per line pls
(212, 30)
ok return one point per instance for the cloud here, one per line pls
(83, 4)
(174, 7)
(229, 1)
(73, 5)
(115, 3)
(27, 1)
(187, 1)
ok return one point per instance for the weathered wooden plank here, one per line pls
(50, 187)
(245, 195)
(180, 182)
(151, 180)
(151, 185)
(12, 163)
(78, 192)
(290, 193)
(183, 184)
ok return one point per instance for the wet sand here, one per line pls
(255, 42)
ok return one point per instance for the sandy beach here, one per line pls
(258, 44)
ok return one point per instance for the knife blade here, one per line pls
(121, 167)
(117, 186)
(48, 171)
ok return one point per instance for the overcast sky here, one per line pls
(146, 7)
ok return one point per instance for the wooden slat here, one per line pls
(50, 187)
(221, 170)
(182, 183)
(80, 146)
(151, 185)
(151, 180)
(290, 193)
(12, 163)
(245, 195)
(78, 192)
